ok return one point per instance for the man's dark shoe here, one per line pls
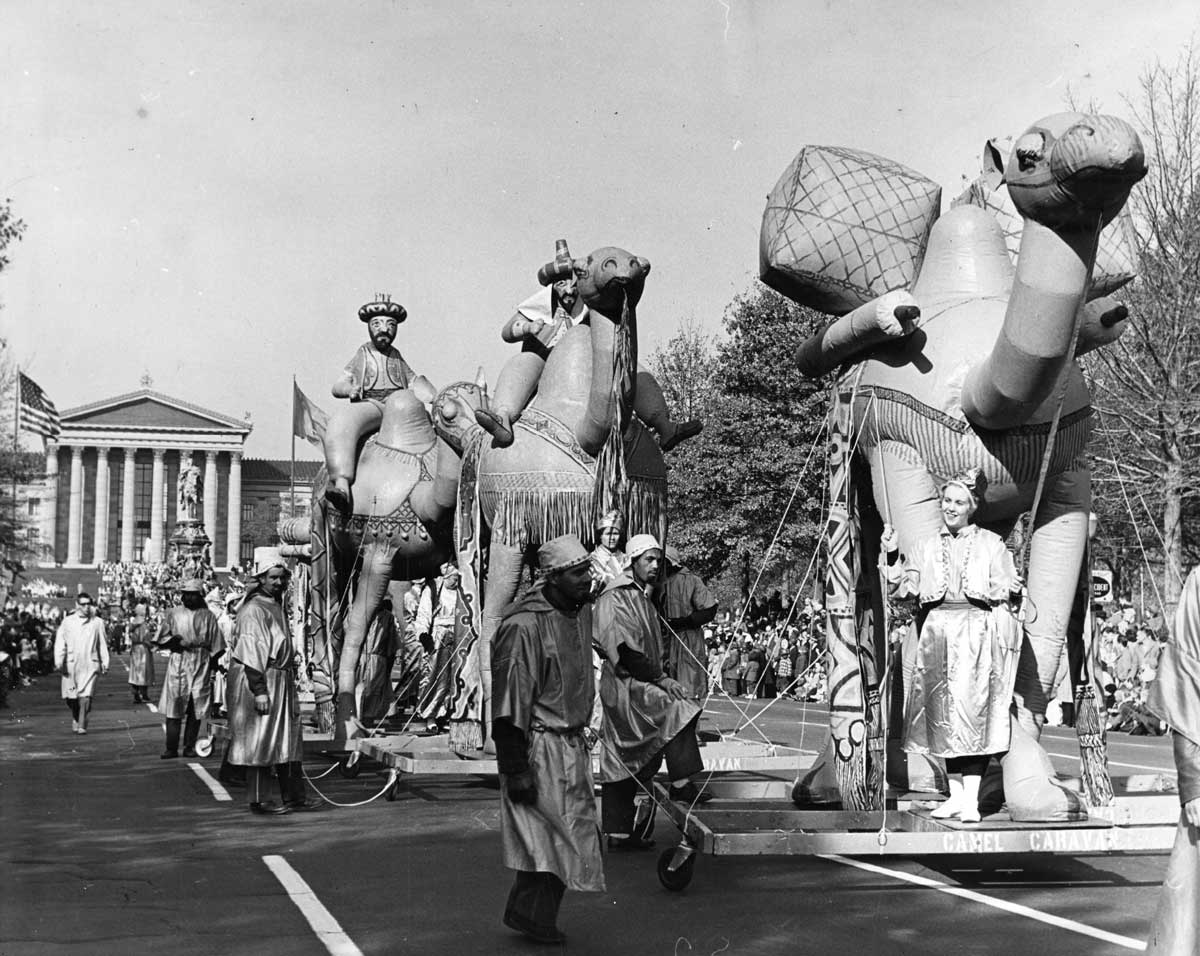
(689, 793)
(303, 805)
(269, 809)
(630, 843)
(168, 755)
(190, 752)
(542, 934)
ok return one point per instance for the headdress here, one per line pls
(382, 305)
(973, 481)
(611, 519)
(267, 558)
(672, 555)
(639, 544)
(562, 553)
(193, 585)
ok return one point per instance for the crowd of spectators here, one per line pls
(26, 644)
(1129, 648)
(131, 582)
(772, 651)
(39, 589)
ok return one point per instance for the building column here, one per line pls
(128, 481)
(100, 534)
(185, 460)
(75, 509)
(210, 497)
(234, 536)
(156, 507)
(50, 505)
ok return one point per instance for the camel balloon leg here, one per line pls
(1059, 540)
(373, 579)
(912, 507)
(503, 581)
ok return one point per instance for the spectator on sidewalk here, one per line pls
(81, 656)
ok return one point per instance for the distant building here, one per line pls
(110, 487)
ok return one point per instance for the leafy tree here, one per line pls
(1148, 447)
(733, 484)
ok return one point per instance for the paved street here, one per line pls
(110, 850)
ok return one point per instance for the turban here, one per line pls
(639, 544)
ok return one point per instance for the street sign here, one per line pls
(1102, 585)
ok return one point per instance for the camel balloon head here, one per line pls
(609, 278)
(454, 410)
(1074, 170)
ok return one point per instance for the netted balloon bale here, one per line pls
(843, 226)
(1116, 255)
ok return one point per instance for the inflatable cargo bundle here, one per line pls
(843, 226)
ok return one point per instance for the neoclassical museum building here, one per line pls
(111, 478)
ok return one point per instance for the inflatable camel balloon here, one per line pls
(399, 529)
(578, 450)
(949, 357)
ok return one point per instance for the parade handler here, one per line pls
(264, 708)
(80, 655)
(375, 372)
(647, 715)
(541, 699)
(1175, 697)
(192, 635)
(686, 605)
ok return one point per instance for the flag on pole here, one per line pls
(35, 410)
(308, 421)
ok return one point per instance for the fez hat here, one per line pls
(639, 544)
(383, 305)
(973, 481)
(562, 553)
(267, 558)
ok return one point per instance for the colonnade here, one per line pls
(129, 546)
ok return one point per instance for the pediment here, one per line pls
(150, 410)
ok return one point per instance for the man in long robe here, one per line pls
(80, 656)
(686, 605)
(437, 628)
(141, 657)
(541, 699)
(647, 715)
(375, 665)
(191, 633)
(264, 707)
(1175, 697)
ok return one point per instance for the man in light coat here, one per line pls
(80, 655)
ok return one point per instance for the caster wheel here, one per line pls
(676, 880)
(351, 768)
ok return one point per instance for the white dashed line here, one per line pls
(328, 930)
(211, 782)
(1015, 908)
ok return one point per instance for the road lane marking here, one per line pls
(1118, 763)
(211, 782)
(328, 930)
(1015, 908)
(151, 707)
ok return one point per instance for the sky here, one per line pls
(212, 188)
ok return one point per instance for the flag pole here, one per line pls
(293, 472)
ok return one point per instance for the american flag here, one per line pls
(37, 412)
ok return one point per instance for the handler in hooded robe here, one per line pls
(1175, 697)
(647, 715)
(687, 605)
(541, 700)
(141, 656)
(264, 707)
(190, 632)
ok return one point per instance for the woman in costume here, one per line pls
(1175, 697)
(141, 657)
(957, 704)
(608, 560)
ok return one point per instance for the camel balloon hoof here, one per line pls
(683, 431)
(907, 313)
(1113, 316)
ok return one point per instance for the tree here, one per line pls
(746, 494)
(1145, 385)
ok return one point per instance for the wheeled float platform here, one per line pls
(758, 818)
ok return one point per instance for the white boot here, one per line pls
(970, 809)
(954, 805)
